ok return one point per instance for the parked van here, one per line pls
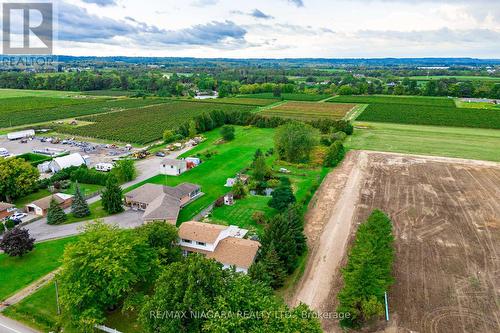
(104, 167)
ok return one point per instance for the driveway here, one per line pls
(146, 168)
(41, 231)
(10, 326)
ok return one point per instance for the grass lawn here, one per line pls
(16, 273)
(228, 159)
(240, 213)
(470, 143)
(38, 311)
(96, 212)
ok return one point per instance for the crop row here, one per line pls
(30, 110)
(144, 125)
(405, 100)
(309, 111)
(288, 96)
(431, 115)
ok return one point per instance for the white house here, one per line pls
(173, 167)
(224, 244)
(63, 162)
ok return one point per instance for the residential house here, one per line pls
(224, 244)
(41, 206)
(5, 210)
(160, 202)
(173, 167)
(63, 162)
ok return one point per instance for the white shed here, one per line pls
(67, 161)
(173, 167)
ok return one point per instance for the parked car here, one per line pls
(160, 154)
(18, 216)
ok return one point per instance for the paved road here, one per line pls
(146, 168)
(10, 326)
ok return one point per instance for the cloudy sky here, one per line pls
(279, 28)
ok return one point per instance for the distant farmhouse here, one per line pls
(160, 202)
(224, 244)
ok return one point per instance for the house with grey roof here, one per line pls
(161, 202)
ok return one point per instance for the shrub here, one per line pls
(335, 154)
(17, 242)
(227, 132)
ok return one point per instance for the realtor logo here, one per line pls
(27, 28)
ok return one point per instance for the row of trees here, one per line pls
(143, 271)
(368, 273)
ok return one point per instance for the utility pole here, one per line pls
(57, 298)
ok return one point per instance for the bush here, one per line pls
(368, 273)
(227, 132)
(17, 242)
(9, 224)
(339, 136)
(335, 154)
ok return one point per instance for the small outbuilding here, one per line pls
(229, 199)
(173, 167)
(41, 206)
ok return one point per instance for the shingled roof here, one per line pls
(237, 252)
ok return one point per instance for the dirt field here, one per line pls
(309, 110)
(446, 215)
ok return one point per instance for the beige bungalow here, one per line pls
(160, 202)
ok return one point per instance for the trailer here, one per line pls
(104, 167)
(21, 134)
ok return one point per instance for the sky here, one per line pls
(278, 28)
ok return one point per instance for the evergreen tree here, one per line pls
(112, 196)
(55, 214)
(296, 221)
(279, 235)
(274, 267)
(282, 197)
(79, 207)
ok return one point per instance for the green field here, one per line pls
(229, 159)
(470, 143)
(144, 125)
(16, 273)
(459, 78)
(288, 96)
(307, 111)
(242, 101)
(421, 111)
(8, 93)
(30, 110)
(402, 100)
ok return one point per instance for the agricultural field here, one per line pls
(9, 93)
(459, 78)
(309, 111)
(421, 111)
(31, 110)
(446, 220)
(289, 96)
(146, 124)
(243, 101)
(470, 143)
(404, 100)
(18, 272)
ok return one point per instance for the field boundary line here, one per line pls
(270, 106)
(326, 99)
(355, 112)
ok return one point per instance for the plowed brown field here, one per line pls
(446, 215)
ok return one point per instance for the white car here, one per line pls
(18, 216)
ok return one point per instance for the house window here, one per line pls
(201, 243)
(186, 241)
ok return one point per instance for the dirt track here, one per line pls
(446, 215)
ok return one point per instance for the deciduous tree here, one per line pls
(17, 242)
(17, 178)
(294, 141)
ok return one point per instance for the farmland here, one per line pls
(30, 110)
(422, 111)
(9, 93)
(458, 78)
(445, 216)
(146, 124)
(470, 143)
(309, 111)
(289, 96)
(243, 101)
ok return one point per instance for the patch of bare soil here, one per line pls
(446, 215)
